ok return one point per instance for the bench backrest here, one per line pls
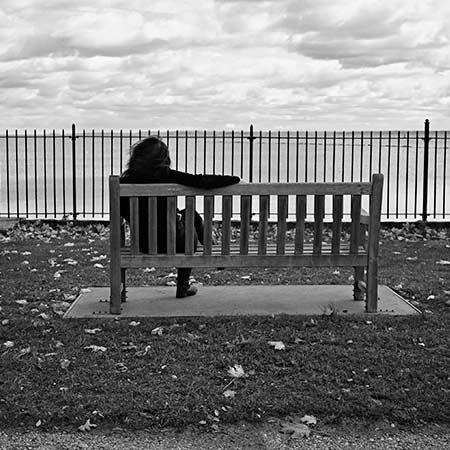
(245, 191)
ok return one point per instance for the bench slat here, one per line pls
(189, 222)
(163, 190)
(255, 260)
(245, 223)
(281, 225)
(271, 250)
(134, 224)
(263, 218)
(300, 215)
(152, 226)
(338, 202)
(226, 223)
(207, 231)
(171, 224)
(319, 213)
(356, 223)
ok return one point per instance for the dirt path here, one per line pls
(242, 436)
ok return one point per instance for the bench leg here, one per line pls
(358, 284)
(123, 278)
(372, 286)
(114, 302)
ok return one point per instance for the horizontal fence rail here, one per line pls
(65, 174)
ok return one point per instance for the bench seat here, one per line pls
(252, 259)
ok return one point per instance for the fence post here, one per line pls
(251, 138)
(74, 173)
(426, 142)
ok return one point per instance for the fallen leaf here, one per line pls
(237, 371)
(158, 331)
(98, 258)
(8, 344)
(65, 363)
(171, 283)
(443, 262)
(309, 420)
(70, 261)
(92, 330)
(99, 266)
(229, 393)
(87, 426)
(296, 430)
(38, 423)
(431, 297)
(22, 302)
(96, 348)
(144, 352)
(149, 269)
(69, 244)
(121, 367)
(277, 345)
(133, 323)
(246, 277)
(24, 352)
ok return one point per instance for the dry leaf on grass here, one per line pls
(158, 331)
(229, 393)
(96, 348)
(65, 363)
(237, 371)
(24, 352)
(309, 420)
(87, 426)
(295, 430)
(92, 330)
(277, 345)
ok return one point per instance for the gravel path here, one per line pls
(243, 436)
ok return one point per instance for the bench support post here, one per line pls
(115, 270)
(373, 244)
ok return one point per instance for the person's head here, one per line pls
(147, 154)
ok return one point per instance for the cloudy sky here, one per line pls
(221, 64)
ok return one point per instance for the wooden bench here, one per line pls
(359, 252)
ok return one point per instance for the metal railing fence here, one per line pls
(65, 174)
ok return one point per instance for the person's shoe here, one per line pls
(186, 291)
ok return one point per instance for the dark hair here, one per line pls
(147, 154)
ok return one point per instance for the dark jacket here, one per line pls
(165, 175)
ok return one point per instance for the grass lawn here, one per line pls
(58, 373)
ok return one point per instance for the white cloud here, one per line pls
(280, 64)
